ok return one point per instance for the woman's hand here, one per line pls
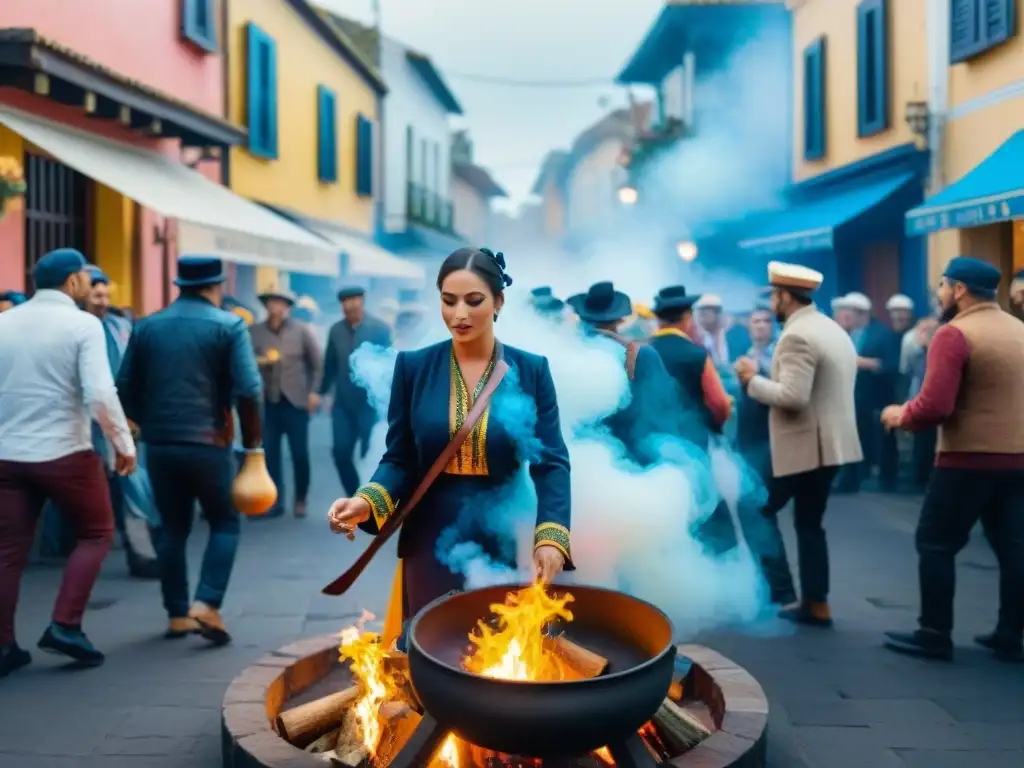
(548, 562)
(346, 514)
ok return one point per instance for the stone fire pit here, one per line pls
(734, 706)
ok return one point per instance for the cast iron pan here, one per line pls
(550, 720)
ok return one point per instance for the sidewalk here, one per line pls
(837, 698)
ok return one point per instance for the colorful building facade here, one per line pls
(549, 189)
(976, 120)
(473, 190)
(312, 105)
(860, 162)
(122, 137)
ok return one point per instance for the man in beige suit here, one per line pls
(812, 424)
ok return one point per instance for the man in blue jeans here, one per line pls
(184, 369)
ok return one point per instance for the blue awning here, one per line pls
(811, 225)
(993, 191)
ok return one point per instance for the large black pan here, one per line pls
(550, 720)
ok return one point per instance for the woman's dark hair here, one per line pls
(482, 262)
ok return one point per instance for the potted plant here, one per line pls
(12, 181)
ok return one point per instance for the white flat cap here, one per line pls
(840, 302)
(794, 276)
(900, 301)
(708, 301)
(858, 301)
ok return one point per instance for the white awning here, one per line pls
(366, 258)
(212, 219)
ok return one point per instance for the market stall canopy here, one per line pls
(812, 225)
(366, 258)
(211, 218)
(992, 192)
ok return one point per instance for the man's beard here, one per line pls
(780, 318)
(948, 313)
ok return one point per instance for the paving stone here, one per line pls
(984, 709)
(973, 759)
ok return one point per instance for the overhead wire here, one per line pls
(513, 82)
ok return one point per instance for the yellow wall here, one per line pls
(979, 121)
(908, 78)
(304, 61)
(113, 216)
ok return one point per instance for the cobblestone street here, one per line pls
(837, 698)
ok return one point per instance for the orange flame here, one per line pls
(366, 654)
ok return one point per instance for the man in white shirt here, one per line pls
(54, 379)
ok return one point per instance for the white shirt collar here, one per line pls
(52, 294)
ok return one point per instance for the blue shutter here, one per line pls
(872, 67)
(327, 135)
(815, 121)
(963, 29)
(1000, 21)
(975, 26)
(199, 23)
(364, 157)
(261, 91)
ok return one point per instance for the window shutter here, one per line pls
(327, 135)
(364, 157)
(963, 29)
(271, 96)
(999, 23)
(199, 23)
(863, 70)
(815, 125)
(881, 55)
(872, 67)
(254, 91)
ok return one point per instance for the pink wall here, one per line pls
(137, 38)
(12, 239)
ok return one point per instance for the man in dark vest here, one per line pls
(352, 413)
(702, 406)
(973, 391)
(186, 366)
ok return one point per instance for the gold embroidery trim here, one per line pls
(553, 535)
(381, 504)
(471, 458)
(671, 332)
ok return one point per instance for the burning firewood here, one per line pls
(304, 724)
(325, 743)
(398, 721)
(678, 728)
(351, 751)
(583, 663)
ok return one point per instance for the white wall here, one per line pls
(938, 87)
(410, 102)
(472, 213)
(592, 189)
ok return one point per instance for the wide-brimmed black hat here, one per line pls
(601, 304)
(199, 271)
(549, 306)
(541, 292)
(274, 293)
(673, 299)
(351, 292)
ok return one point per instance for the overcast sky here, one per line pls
(513, 127)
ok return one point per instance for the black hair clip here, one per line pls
(499, 259)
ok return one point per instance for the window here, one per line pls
(410, 149)
(872, 67)
(199, 23)
(977, 25)
(261, 58)
(814, 100)
(326, 135)
(364, 156)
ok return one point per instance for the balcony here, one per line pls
(653, 141)
(428, 209)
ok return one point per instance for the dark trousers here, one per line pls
(78, 486)
(352, 427)
(809, 493)
(182, 474)
(762, 533)
(955, 500)
(284, 421)
(924, 455)
(888, 457)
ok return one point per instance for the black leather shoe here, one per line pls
(924, 643)
(13, 658)
(1004, 647)
(71, 643)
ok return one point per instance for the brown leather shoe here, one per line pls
(812, 614)
(181, 626)
(211, 625)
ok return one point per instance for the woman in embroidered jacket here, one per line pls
(432, 392)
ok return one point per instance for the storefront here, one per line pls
(984, 211)
(848, 224)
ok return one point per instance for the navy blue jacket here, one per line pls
(182, 371)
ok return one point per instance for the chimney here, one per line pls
(462, 148)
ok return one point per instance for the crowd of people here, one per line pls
(812, 403)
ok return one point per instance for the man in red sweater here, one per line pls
(973, 391)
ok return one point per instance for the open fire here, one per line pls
(513, 644)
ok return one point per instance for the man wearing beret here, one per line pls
(973, 391)
(185, 368)
(352, 414)
(10, 299)
(55, 379)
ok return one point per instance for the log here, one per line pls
(678, 729)
(350, 752)
(325, 743)
(580, 660)
(304, 724)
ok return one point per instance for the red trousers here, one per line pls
(77, 484)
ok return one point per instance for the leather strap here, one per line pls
(344, 582)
